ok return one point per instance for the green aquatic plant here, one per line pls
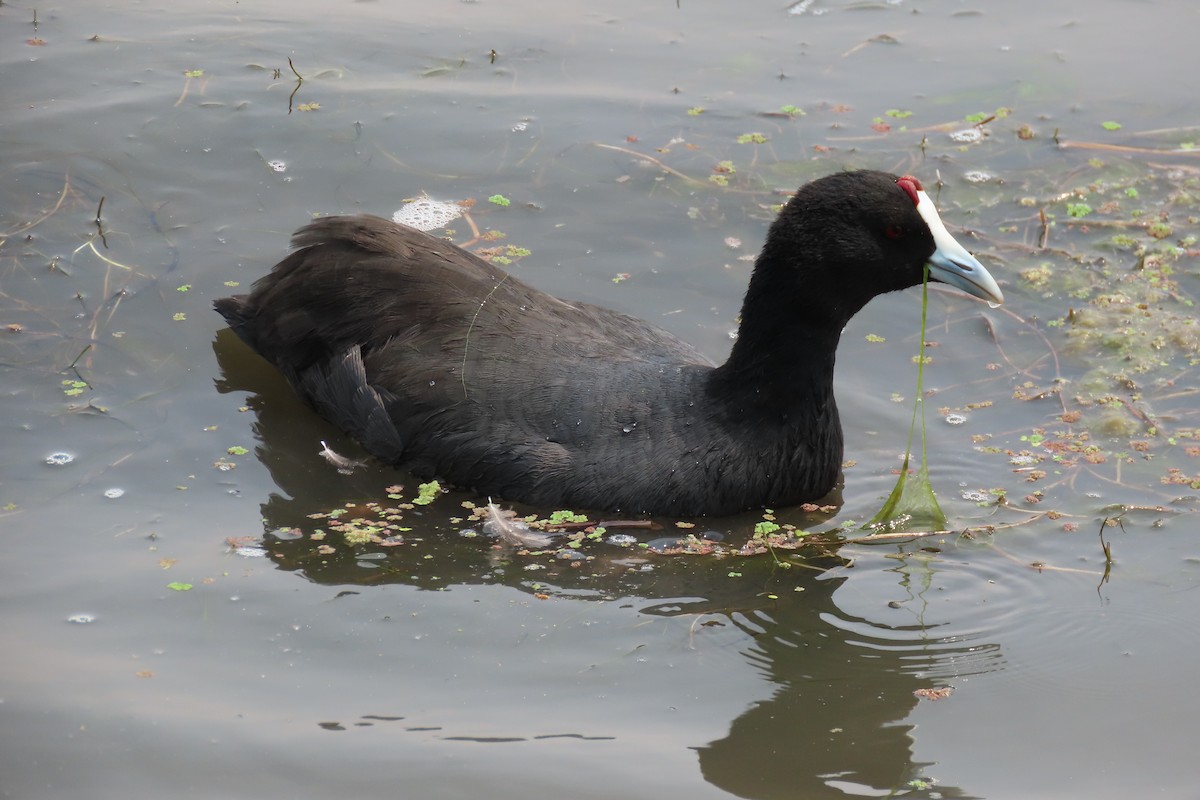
(73, 388)
(912, 501)
(427, 493)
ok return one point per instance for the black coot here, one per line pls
(444, 364)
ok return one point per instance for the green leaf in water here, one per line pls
(177, 586)
(912, 503)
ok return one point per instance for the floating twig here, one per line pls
(1108, 557)
(652, 160)
(1125, 148)
(299, 83)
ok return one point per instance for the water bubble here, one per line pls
(1023, 460)
(427, 214)
(967, 135)
(114, 492)
(622, 540)
(977, 176)
(277, 166)
(955, 419)
(59, 459)
(81, 619)
(571, 555)
(975, 496)
(250, 551)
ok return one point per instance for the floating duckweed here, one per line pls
(287, 534)
(426, 493)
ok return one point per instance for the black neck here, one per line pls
(785, 351)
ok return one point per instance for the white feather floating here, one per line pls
(344, 465)
(505, 525)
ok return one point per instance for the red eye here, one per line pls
(894, 231)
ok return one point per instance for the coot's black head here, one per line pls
(848, 237)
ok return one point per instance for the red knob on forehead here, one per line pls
(911, 186)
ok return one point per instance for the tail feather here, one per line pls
(340, 392)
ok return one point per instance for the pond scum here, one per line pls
(1097, 247)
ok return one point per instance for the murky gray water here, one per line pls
(442, 668)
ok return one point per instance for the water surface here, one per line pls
(445, 669)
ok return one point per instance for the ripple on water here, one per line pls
(968, 612)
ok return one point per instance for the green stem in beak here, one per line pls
(912, 503)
